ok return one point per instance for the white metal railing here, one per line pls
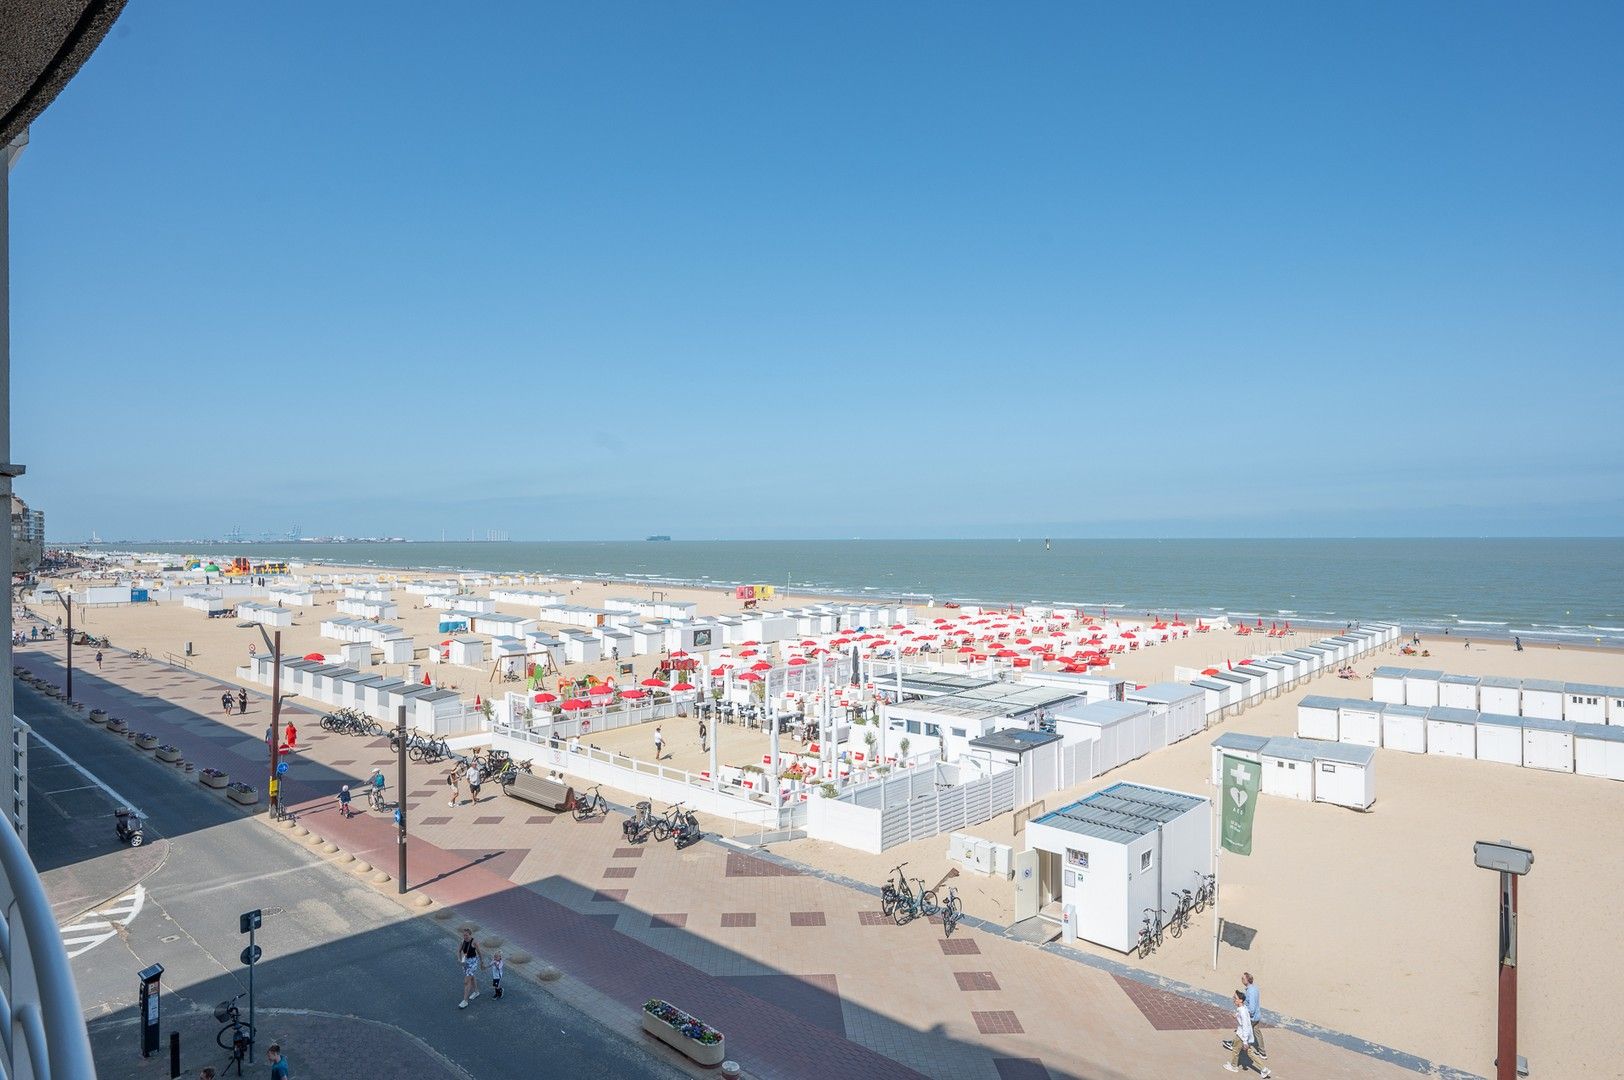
(45, 1035)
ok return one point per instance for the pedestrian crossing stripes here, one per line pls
(95, 927)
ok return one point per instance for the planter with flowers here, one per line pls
(683, 1033)
(242, 793)
(213, 778)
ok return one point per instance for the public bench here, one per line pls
(551, 794)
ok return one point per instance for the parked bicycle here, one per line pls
(140, 654)
(679, 824)
(1150, 934)
(1207, 892)
(1183, 903)
(903, 902)
(590, 805)
(637, 827)
(236, 1034)
(952, 911)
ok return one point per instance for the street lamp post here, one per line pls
(1511, 862)
(67, 602)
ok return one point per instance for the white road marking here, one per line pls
(120, 912)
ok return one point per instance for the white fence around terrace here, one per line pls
(914, 805)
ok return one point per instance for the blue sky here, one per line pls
(885, 270)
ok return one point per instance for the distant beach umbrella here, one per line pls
(601, 690)
(749, 676)
(761, 665)
(658, 684)
(545, 698)
(634, 694)
(575, 704)
(683, 687)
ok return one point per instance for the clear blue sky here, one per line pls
(740, 269)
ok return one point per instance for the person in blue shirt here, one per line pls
(279, 1065)
(377, 789)
(1255, 1009)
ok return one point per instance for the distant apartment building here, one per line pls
(27, 537)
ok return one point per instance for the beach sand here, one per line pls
(1374, 923)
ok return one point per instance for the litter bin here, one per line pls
(188, 648)
(1068, 923)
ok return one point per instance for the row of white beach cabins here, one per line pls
(1545, 699)
(1535, 742)
(428, 709)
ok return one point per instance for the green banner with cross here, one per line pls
(1240, 800)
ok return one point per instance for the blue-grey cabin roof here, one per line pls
(1593, 690)
(1546, 686)
(1427, 675)
(1240, 740)
(1304, 655)
(1103, 713)
(1389, 672)
(1460, 680)
(1500, 720)
(1418, 711)
(1607, 732)
(1350, 705)
(1122, 812)
(1504, 682)
(1290, 749)
(1321, 701)
(1447, 715)
(1014, 740)
(1166, 693)
(1208, 684)
(1539, 723)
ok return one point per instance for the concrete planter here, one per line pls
(115, 723)
(242, 793)
(97, 716)
(665, 1022)
(167, 753)
(146, 741)
(213, 778)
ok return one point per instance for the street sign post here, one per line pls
(247, 923)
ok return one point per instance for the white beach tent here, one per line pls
(1404, 727)
(1452, 732)
(1547, 744)
(1421, 688)
(1288, 768)
(1458, 691)
(1542, 698)
(1318, 717)
(1345, 775)
(1182, 707)
(1387, 685)
(1500, 738)
(1500, 694)
(1236, 744)
(1360, 722)
(1584, 703)
(1598, 750)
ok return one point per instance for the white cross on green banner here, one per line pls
(1240, 799)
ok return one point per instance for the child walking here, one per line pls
(496, 973)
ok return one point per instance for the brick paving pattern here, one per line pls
(806, 918)
(959, 946)
(620, 872)
(976, 980)
(998, 1022)
(1171, 1012)
(738, 918)
(872, 918)
(1020, 1069)
(661, 922)
(749, 866)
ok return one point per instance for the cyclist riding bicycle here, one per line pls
(375, 789)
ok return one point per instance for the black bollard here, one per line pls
(174, 1054)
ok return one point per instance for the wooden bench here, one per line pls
(550, 794)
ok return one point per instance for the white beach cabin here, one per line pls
(1361, 722)
(1387, 685)
(1345, 775)
(1598, 750)
(1499, 694)
(1542, 698)
(1035, 755)
(1500, 738)
(1121, 730)
(1547, 744)
(1458, 691)
(1421, 688)
(1235, 744)
(467, 650)
(1404, 727)
(1318, 717)
(1288, 768)
(1585, 703)
(1452, 732)
(1179, 707)
(1119, 851)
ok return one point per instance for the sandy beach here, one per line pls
(1374, 923)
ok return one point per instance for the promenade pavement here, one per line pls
(798, 969)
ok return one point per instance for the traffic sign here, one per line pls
(251, 954)
(281, 768)
(248, 921)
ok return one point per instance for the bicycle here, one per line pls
(375, 797)
(1150, 934)
(1182, 903)
(952, 911)
(590, 805)
(1207, 892)
(140, 654)
(241, 1033)
(637, 827)
(674, 823)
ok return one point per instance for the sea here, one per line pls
(1557, 590)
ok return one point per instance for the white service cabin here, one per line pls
(1235, 744)
(1345, 775)
(1035, 755)
(1310, 661)
(1500, 738)
(1319, 717)
(1120, 851)
(497, 624)
(357, 653)
(1615, 705)
(1452, 732)
(648, 639)
(1267, 677)
(1421, 688)
(476, 605)
(617, 644)
(1179, 707)
(1542, 698)
(1387, 685)
(1598, 750)
(367, 609)
(1214, 692)
(1288, 768)
(1583, 703)
(1500, 694)
(1404, 727)
(1360, 722)
(1547, 744)
(582, 649)
(1121, 730)
(398, 649)
(1458, 691)
(466, 650)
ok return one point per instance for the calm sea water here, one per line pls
(1543, 589)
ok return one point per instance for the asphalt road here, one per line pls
(352, 982)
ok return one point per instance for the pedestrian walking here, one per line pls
(1254, 1010)
(98, 659)
(455, 781)
(659, 742)
(242, 700)
(377, 789)
(278, 1063)
(469, 959)
(703, 748)
(476, 780)
(290, 739)
(225, 702)
(496, 974)
(344, 800)
(1241, 1043)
